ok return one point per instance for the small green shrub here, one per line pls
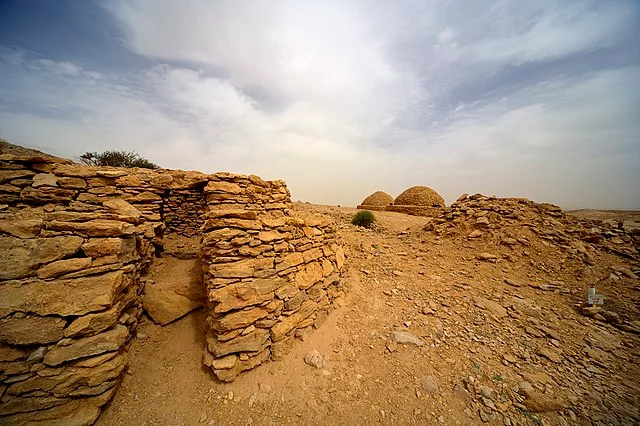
(363, 218)
(116, 159)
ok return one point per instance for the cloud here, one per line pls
(344, 98)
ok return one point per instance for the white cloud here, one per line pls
(344, 98)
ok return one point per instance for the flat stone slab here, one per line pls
(176, 291)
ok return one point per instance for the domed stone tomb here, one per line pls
(419, 196)
(418, 201)
(379, 200)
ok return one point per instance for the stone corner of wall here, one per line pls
(270, 278)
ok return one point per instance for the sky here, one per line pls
(340, 98)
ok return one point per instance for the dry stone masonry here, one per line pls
(72, 255)
(379, 201)
(182, 210)
(76, 242)
(415, 201)
(270, 275)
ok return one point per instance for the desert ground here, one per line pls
(432, 330)
(629, 218)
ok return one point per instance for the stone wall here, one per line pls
(182, 211)
(75, 241)
(410, 210)
(415, 210)
(270, 274)
(370, 207)
(69, 292)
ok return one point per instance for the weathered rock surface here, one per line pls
(177, 290)
(21, 257)
(314, 359)
(104, 342)
(62, 297)
(406, 338)
(31, 330)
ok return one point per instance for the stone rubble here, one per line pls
(517, 228)
(489, 327)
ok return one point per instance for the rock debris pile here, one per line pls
(514, 230)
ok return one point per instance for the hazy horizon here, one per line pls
(340, 99)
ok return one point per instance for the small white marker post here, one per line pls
(593, 298)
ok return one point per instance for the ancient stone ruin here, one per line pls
(269, 275)
(379, 201)
(416, 201)
(77, 242)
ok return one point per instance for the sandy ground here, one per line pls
(401, 278)
(629, 218)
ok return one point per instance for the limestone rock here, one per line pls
(482, 221)
(406, 338)
(251, 342)
(94, 228)
(429, 384)
(340, 257)
(223, 187)
(175, 293)
(294, 302)
(23, 405)
(62, 297)
(21, 228)
(47, 195)
(31, 330)
(224, 363)
(113, 173)
(283, 327)
(512, 282)
(104, 342)
(93, 323)
(62, 267)
(241, 295)
(213, 224)
(538, 402)
(287, 291)
(311, 274)
(289, 261)
(228, 375)
(487, 257)
(314, 359)
(8, 175)
(495, 308)
(20, 257)
(507, 241)
(550, 354)
(8, 353)
(232, 213)
(237, 319)
(74, 183)
(242, 269)
(145, 197)
(45, 179)
(461, 393)
(122, 207)
(124, 249)
(269, 236)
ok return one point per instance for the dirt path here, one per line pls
(481, 339)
